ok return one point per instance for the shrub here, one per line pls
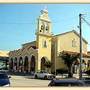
(61, 71)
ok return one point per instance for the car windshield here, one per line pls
(41, 72)
(3, 76)
(44, 71)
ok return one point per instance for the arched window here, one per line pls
(74, 43)
(11, 63)
(26, 64)
(42, 27)
(43, 63)
(47, 28)
(20, 61)
(32, 63)
(44, 43)
(15, 62)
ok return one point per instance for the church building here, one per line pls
(33, 55)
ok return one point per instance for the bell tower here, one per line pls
(44, 23)
(43, 36)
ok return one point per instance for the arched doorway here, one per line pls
(84, 66)
(32, 64)
(15, 64)
(26, 64)
(88, 65)
(43, 63)
(20, 64)
(76, 66)
(11, 64)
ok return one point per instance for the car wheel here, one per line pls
(36, 76)
(45, 77)
(53, 76)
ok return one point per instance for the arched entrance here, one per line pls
(11, 64)
(76, 67)
(20, 64)
(84, 66)
(26, 64)
(43, 63)
(88, 65)
(15, 64)
(32, 63)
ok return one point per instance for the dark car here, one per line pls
(86, 81)
(4, 79)
(67, 82)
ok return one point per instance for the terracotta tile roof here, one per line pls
(29, 43)
(34, 47)
(84, 55)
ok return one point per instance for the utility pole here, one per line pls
(80, 27)
(55, 56)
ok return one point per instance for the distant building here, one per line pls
(4, 60)
(46, 47)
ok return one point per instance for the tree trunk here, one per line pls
(70, 73)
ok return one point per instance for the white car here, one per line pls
(43, 75)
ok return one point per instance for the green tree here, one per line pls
(69, 59)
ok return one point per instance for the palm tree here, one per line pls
(69, 59)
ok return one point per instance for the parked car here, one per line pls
(44, 75)
(58, 76)
(66, 82)
(2, 70)
(86, 81)
(4, 79)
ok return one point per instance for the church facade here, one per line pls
(46, 47)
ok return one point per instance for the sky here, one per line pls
(18, 22)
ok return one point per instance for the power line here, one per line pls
(86, 21)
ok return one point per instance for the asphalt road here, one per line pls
(25, 81)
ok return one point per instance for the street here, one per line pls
(24, 81)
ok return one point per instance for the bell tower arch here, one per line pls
(43, 36)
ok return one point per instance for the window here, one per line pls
(42, 26)
(44, 43)
(3, 76)
(47, 28)
(74, 43)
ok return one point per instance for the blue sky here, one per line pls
(18, 22)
